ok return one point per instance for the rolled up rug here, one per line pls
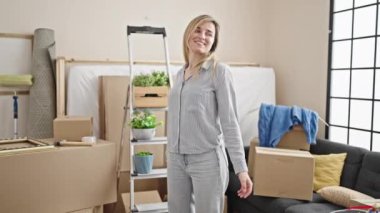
(42, 98)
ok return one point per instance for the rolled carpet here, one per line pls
(42, 102)
(15, 80)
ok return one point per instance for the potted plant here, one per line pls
(144, 125)
(151, 90)
(143, 162)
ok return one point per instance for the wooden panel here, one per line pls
(61, 93)
(16, 35)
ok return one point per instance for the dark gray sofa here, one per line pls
(361, 172)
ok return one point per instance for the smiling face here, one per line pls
(202, 38)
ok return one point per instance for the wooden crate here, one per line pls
(151, 96)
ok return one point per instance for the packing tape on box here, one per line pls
(89, 139)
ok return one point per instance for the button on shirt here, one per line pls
(202, 114)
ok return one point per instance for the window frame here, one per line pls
(374, 68)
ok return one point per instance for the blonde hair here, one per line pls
(191, 28)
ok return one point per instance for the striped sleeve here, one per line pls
(227, 109)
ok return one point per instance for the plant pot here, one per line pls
(143, 164)
(144, 134)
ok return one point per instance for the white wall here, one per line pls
(297, 48)
(289, 35)
(96, 29)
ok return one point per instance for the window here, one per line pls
(353, 102)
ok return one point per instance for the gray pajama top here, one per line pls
(202, 114)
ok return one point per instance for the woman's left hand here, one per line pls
(246, 185)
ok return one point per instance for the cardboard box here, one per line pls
(251, 156)
(283, 173)
(98, 209)
(62, 179)
(112, 100)
(158, 184)
(150, 96)
(225, 210)
(294, 139)
(72, 128)
(141, 198)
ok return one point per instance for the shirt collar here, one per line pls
(206, 65)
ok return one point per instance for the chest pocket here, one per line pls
(199, 102)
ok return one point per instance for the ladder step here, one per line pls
(151, 207)
(146, 30)
(155, 173)
(155, 140)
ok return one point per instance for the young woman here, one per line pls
(202, 122)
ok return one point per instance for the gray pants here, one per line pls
(197, 182)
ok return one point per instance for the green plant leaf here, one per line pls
(143, 154)
(155, 79)
(144, 120)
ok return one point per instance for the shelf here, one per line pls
(150, 108)
(156, 140)
(151, 207)
(155, 173)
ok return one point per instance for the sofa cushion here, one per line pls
(272, 204)
(341, 196)
(328, 170)
(369, 176)
(317, 198)
(352, 163)
(236, 204)
(313, 208)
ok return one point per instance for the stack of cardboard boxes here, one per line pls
(285, 171)
(62, 179)
(72, 129)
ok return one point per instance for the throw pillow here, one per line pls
(340, 195)
(328, 169)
